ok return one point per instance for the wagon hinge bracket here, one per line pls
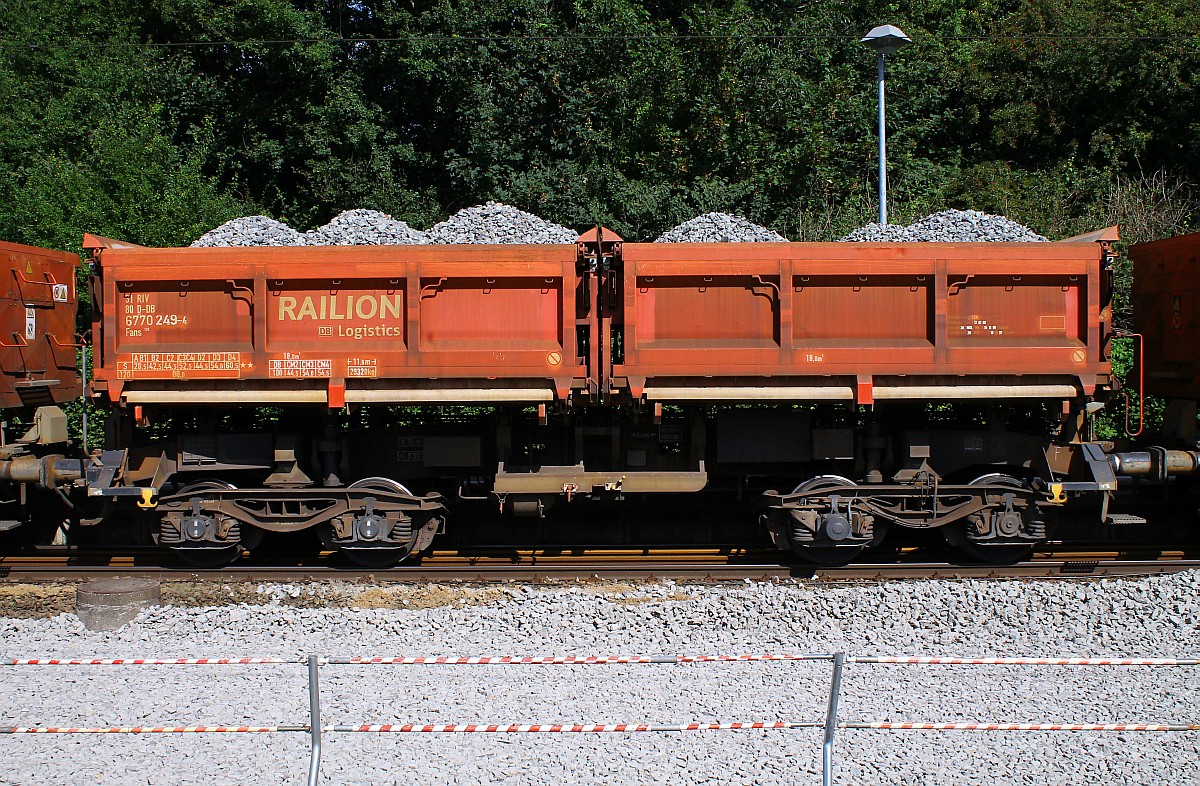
(598, 257)
(599, 250)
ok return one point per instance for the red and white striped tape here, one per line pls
(601, 659)
(500, 659)
(568, 659)
(146, 729)
(564, 728)
(567, 728)
(1026, 726)
(144, 661)
(1027, 661)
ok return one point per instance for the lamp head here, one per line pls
(886, 39)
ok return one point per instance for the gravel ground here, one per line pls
(949, 226)
(1145, 617)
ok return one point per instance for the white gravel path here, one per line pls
(1152, 617)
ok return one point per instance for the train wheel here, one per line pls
(1006, 554)
(829, 556)
(381, 484)
(373, 556)
(217, 555)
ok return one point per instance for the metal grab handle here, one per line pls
(54, 340)
(1140, 365)
(52, 282)
(21, 342)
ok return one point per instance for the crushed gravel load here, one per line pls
(251, 231)
(363, 227)
(495, 222)
(1148, 617)
(948, 226)
(720, 228)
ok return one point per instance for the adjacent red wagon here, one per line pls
(38, 371)
(37, 327)
(1166, 311)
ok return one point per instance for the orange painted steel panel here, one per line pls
(182, 315)
(366, 317)
(37, 326)
(1166, 310)
(702, 311)
(712, 309)
(506, 314)
(846, 307)
(1021, 310)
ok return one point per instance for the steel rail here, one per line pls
(585, 570)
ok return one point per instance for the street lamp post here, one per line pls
(885, 40)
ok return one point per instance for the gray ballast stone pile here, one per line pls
(720, 228)
(363, 227)
(489, 223)
(949, 226)
(251, 231)
(1145, 617)
(495, 222)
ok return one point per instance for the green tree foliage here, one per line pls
(156, 121)
(86, 143)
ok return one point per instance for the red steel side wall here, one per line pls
(816, 309)
(355, 318)
(337, 317)
(37, 326)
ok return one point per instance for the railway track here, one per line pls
(590, 565)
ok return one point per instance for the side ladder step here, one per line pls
(1123, 518)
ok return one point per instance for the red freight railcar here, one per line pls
(469, 324)
(606, 370)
